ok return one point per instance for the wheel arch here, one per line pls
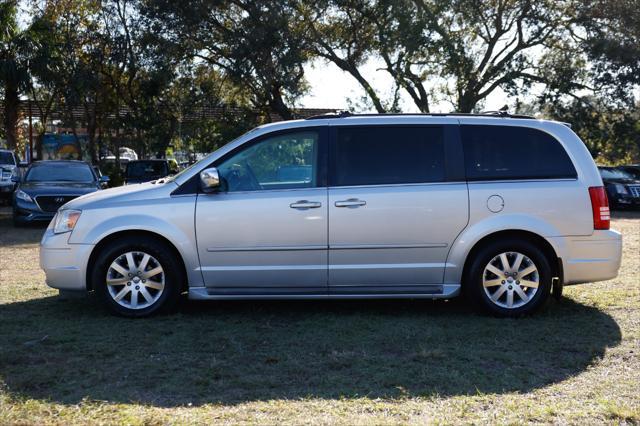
(554, 261)
(140, 234)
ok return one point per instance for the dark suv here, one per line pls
(623, 188)
(140, 171)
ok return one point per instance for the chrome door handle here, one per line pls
(305, 204)
(351, 202)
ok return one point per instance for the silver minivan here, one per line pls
(501, 208)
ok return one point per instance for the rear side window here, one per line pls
(506, 152)
(379, 155)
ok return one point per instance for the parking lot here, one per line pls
(317, 362)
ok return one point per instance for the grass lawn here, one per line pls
(351, 362)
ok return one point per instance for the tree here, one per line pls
(457, 50)
(256, 45)
(610, 34)
(14, 72)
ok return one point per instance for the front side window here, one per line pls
(387, 155)
(286, 161)
(511, 152)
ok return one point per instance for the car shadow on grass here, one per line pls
(28, 234)
(71, 350)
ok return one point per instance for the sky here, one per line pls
(330, 87)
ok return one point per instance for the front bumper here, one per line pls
(26, 212)
(589, 259)
(65, 265)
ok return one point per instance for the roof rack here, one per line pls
(343, 114)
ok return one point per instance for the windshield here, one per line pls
(7, 158)
(138, 169)
(615, 174)
(58, 173)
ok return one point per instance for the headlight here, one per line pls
(621, 189)
(65, 221)
(23, 196)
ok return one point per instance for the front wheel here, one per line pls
(136, 277)
(509, 278)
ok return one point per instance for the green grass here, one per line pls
(68, 361)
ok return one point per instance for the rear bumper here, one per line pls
(589, 259)
(64, 265)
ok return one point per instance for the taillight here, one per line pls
(600, 207)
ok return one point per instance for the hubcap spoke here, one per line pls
(505, 262)
(493, 283)
(528, 270)
(145, 294)
(528, 283)
(117, 281)
(134, 298)
(152, 273)
(135, 281)
(520, 292)
(518, 262)
(122, 293)
(510, 298)
(499, 293)
(495, 270)
(144, 262)
(119, 269)
(130, 262)
(155, 285)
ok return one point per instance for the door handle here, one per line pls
(305, 204)
(351, 202)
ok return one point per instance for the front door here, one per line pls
(266, 231)
(394, 209)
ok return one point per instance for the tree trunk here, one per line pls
(11, 115)
(278, 106)
(466, 103)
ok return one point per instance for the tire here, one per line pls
(148, 290)
(510, 294)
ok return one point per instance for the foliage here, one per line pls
(140, 71)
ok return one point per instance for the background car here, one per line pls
(633, 169)
(47, 185)
(140, 171)
(623, 188)
(8, 168)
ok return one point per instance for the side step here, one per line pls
(444, 291)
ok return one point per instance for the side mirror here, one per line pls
(104, 181)
(15, 178)
(210, 180)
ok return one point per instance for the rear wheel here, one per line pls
(136, 277)
(509, 278)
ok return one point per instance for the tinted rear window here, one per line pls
(506, 152)
(388, 155)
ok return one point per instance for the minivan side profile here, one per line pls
(499, 208)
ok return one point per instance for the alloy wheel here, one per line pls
(135, 280)
(510, 280)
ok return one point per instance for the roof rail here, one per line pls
(337, 114)
(343, 114)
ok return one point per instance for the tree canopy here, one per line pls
(137, 69)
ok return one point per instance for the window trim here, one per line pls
(192, 186)
(452, 144)
(522, 178)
